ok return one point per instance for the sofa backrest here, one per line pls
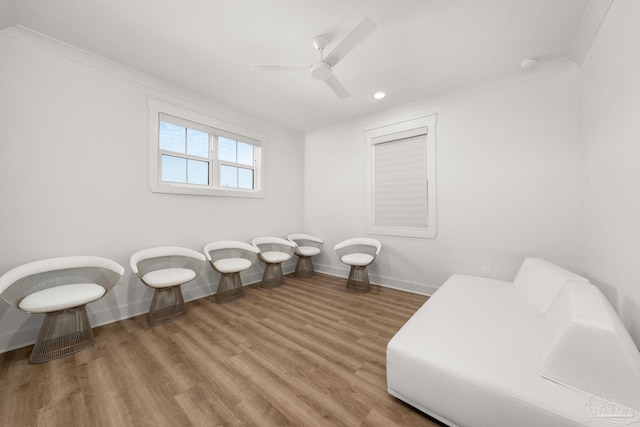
(540, 281)
(585, 346)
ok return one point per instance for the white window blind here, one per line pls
(400, 197)
(401, 184)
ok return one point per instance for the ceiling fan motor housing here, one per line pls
(321, 70)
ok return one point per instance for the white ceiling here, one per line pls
(421, 48)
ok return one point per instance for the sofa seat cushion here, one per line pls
(357, 259)
(307, 250)
(469, 356)
(274, 257)
(61, 297)
(232, 265)
(168, 277)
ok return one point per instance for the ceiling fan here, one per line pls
(322, 69)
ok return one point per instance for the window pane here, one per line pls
(174, 169)
(245, 178)
(198, 172)
(197, 143)
(228, 176)
(172, 137)
(226, 149)
(245, 154)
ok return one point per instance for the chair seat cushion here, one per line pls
(274, 257)
(357, 259)
(307, 250)
(61, 297)
(168, 277)
(232, 265)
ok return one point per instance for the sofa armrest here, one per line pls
(540, 281)
(584, 346)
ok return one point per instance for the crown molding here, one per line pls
(429, 105)
(591, 21)
(157, 87)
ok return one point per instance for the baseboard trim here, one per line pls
(27, 336)
(387, 282)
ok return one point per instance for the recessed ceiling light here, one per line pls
(379, 95)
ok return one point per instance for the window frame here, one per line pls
(215, 128)
(219, 163)
(396, 132)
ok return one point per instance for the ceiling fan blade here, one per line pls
(271, 67)
(362, 30)
(337, 87)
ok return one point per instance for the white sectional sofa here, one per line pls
(545, 350)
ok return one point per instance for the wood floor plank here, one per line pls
(308, 353)
(72, 406)
(203, 408)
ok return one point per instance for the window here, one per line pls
(194, 154)
(236, 164)
(184, 153)
(401, 184)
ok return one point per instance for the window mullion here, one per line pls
(213, 167)
(237, 165)
(183, 155)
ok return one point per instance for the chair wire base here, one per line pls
(272, 276)
(230, 288)
(358, 280)
(167, 305)
(62, 333)
(304, 267)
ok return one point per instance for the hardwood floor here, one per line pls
(305, 354)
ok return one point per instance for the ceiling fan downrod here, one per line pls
(320, 70)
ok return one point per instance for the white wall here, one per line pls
(7, 13)
(73, 162)
(508, 185)
(611, 153)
